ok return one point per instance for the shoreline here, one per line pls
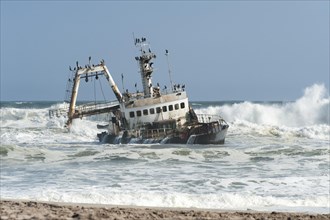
(26, 209)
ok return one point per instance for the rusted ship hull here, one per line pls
(202, 133)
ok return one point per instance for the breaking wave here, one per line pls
(228, 201)
(308, 116)
(33, 126)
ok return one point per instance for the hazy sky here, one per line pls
(221, 50)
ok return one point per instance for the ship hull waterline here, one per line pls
(208, 138)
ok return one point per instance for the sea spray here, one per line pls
(311, 109)
(308, 116)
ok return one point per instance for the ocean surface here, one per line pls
(276, 158)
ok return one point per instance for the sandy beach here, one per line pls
(17, 209)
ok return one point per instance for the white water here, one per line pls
(308, 116)
(276, 157)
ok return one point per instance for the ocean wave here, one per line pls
(311, 109)
(230, 201)
(20, 118)
(239, 127)
(308, 116)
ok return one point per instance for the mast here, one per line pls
(145, 65)
(73, 99)
(169, 69)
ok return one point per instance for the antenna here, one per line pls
(134, 39)
(169, 69)
(122, 81)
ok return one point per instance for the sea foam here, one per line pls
(229, 201)
(308, 116)
(41, 160)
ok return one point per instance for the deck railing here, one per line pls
(85, 109)
(206, 118)
(95, 106)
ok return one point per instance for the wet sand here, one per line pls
(18, 209)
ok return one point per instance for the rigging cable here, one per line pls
(68, 91)
(102, 91)
(109, 113)
(94, 93)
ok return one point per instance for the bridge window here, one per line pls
(158, 110)
(152, 111)
(176, 106)
(164, 108)
(182, 105)
(145, 111)
(170, 107)
(138, 113)
(131, 114)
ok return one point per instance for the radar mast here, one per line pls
(145, 65)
